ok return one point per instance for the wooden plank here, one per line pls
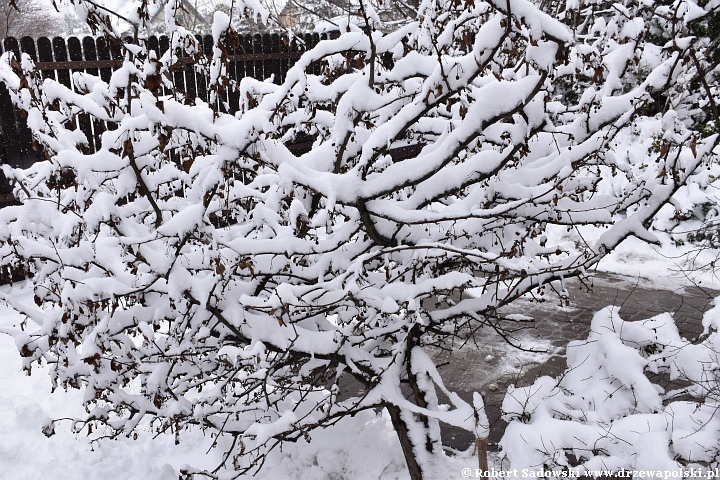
(266, 46)
(307, 41)
(265, 56)
(116, 50)
(164, 46)
(164, 43)
(10, 130)
(154, 82)
(317, 66)
(11, 44)
(103, 55)
(61, 55)
(397, 153)
(5, 186)
(271, 45)
(27, 45)
(116, 53)
(408, 151)
(259, 64)
(310, 42)
(74, 47)
(247, 50)
(236, 70)
(221, 90)
(179, 75)
(207, 47)
(31, 150)
(90, 54)
(285, 48)
(84, 64)
(302, 143)
(190, 77)
(22, 139)
(296, 47)
(63, 74)
(44, 48)
(153, 44)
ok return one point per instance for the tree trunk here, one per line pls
(401, 429)
(481, 446)
(430, 444)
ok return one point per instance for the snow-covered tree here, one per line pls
(607, 413)
(198, 270)
(308, 15)
(28, 17)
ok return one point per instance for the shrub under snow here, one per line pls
(198, 271)
(608, 411)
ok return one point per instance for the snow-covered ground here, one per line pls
(365, 449)
(25, 453)
(663, 267)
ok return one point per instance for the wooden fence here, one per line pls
(257, 56)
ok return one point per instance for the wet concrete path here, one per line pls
(489, 364)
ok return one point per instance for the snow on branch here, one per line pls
(605, 413)
(201, 269)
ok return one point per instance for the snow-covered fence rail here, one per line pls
(258, 56)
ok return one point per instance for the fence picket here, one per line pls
(91, 55)
(27, 45)
(153, 43)
(44, 47)
(257, 49)
(88, 47)
(5, 186)
(75, 53)
(247, 48)
(164, 46)
(11, 44)
(178, 75)
(31, 150)
(10, 132)
(190, 80)
(235, 72)
(284, 45)
(271, 44)
(25, 154)
(207, 49)
(103, 53)
(61, 55)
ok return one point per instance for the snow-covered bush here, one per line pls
(197, 270)
(608, 412)
(693, 216)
